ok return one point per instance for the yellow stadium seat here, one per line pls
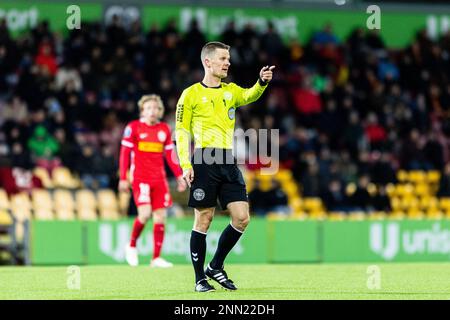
(444, 203)
(312, 204)
(422, 189)
(396, 203)
(43, 214)
(402, 176)
(447, 214)
(296, 203)
(396, 215)
(284, 175)
(291, 189)
(21, 206)
(429, 202)
(357, 216)
(107, 214)
(403, 190)
(4, 201)
(107, 199)
(124, 202)
(300, 215)
(318, 215)
(433, 213)
(63, 200)
(43, 174)
(417, 176)
(409, 202)
(415, 214)
(41, 199)
(87, 214)
(390, 189)
(336, 216)
(5, 217)
(108, 205)
(377, 215)
(86, 204)
(62, 178)
(433, 176)
(65, 214)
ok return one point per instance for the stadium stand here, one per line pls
(340, 117)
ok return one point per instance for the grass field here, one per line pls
(286, 282)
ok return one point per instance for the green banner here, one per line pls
(264, 241)
(57, 242)
(408, 240)
(106, 242)
(21, 16)
(293, 241)
(397, 29)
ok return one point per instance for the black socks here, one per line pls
(198, 252)
(227, 240)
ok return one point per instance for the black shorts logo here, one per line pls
(198, 194)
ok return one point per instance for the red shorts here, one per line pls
(154, 193)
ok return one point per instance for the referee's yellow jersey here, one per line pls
(208, 113)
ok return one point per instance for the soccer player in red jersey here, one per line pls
(146, 142)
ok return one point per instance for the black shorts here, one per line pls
(220, 180)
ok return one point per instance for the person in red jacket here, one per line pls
(145, 144)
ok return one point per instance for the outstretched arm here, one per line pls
(247, 96)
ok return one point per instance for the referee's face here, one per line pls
(220, 63)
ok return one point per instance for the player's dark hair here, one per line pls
(210, 47)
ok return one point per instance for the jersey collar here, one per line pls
(218, 87)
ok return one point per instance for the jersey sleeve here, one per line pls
(128, 136)
(183, 129)
(170, 155)
(244, 96)
(127, 145)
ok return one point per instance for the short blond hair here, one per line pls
(151, 97)
(210, 47)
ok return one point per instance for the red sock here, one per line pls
(137, 229)
(158, 238)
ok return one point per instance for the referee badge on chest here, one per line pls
(199, 194)
(231, 113)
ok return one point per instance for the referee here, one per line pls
(206, 111)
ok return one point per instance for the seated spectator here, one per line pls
(277, 200)
(94, 168)
(19, 177)
(380, 201)
(43, 148)
(334, 197)
(360, 200)
(257, 199)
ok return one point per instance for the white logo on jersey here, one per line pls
(144, 192)
(227, 95)
(162, 136)
(143, 135)
(204, 99)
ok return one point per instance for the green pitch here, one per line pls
(307, 281)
